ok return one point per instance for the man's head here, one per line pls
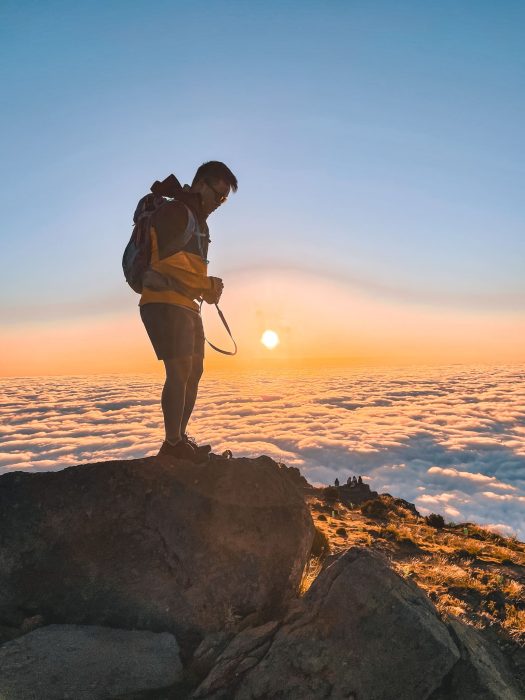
(213, 181)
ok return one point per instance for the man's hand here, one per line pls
(212, 296)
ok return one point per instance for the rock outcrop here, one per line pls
(206, 561)
(361, 631)
(482, 671)
(87, 663)
(152, 544)
(355, 494)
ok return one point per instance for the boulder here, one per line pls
(481, 672)
(152, 544)
(296, 477)
(361, 631)
(356, 495)
(245, 651)
(87, 663)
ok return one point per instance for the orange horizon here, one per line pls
(320, 323)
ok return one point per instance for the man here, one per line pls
(173, 288)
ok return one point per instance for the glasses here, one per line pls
(220, 198)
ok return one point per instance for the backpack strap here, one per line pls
(192, 229)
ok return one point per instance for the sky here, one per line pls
(450, 439)
(378, 148)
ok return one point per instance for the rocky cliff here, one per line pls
(158, 578)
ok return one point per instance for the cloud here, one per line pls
(500, 529)
(450, 439)
(506, 497)
(477, 477)
(438, 498)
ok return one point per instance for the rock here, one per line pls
(481, 673)
(295, 476)
(31, 623)
(152, 544)
(7, 633)
(244, 652)
(361, 631)
(87, 663)
(406, 505)
(208, 652)
(356, 495)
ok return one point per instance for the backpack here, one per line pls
(137, 254)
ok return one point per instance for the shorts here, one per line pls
(173, 330)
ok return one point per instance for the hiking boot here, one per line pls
(182, 450)
(199, 449)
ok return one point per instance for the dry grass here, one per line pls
(445, 573)
(439, 576)
(449, 605)
(474, 548)
(401, 531)
(514, 623)
(311, 572)
(464, 569)
(498, 553)
(437, 572)
(513, 589)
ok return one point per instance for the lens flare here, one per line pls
(270, 339)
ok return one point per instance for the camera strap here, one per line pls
(225, 323)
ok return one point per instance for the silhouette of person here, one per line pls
(336, 482)
(173, 287)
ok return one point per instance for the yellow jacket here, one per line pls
(178, 277)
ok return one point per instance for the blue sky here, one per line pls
(380, 143)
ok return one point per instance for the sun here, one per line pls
(270, 339)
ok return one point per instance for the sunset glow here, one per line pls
(358, 328)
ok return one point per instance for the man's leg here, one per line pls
(191, 390)
(174, 393)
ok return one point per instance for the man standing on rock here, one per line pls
(174, 286)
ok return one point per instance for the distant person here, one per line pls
(359, 481)
(173, 288)
(336, 482)
(349, 481)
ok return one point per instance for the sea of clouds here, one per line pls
(450, 439)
